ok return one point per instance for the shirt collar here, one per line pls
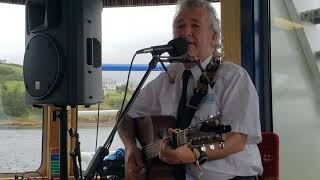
(196, 72)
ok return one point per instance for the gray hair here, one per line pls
(214, 21)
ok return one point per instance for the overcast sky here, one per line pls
(12, 32)
(124, 31)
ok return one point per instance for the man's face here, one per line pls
(193, 24)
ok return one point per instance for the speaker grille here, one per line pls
(41, 66)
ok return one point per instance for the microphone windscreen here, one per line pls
(180, 47)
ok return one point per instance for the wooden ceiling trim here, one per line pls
(118, 3)
(13, 1)
(126, 3)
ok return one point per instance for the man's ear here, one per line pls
(213, 38)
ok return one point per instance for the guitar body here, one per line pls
(148, 131)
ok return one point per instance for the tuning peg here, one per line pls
(219, 113)
(210, 116)
(216, 122)
(211, 146)
(213, 119)
(221, 145)
(203, 148)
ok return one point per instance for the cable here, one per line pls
(79, 151)
(125, 94)
(97, 132)
(128, 78)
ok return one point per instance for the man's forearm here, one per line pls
(235, 142)
(127, 132)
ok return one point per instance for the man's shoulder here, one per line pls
(172, 70)
(229, 69)
(174, 67)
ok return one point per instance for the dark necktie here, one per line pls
(183, 100)
(179, 171)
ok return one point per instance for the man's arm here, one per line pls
(134, 166)
(127, 132)
(235, 142)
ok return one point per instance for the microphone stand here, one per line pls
(104, 150)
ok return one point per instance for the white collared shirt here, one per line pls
(233, 95)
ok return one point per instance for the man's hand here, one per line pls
(181, 155)
(134, 166)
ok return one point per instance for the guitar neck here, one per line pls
(152, 150)
(208, 131)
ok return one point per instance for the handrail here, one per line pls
(125, 67)
(303, 41)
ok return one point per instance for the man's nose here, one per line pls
(187, 31)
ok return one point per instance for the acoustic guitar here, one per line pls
(149, 130)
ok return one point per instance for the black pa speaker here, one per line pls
(62, 60)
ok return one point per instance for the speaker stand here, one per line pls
(63, 116)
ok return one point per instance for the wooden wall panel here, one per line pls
(230, 28)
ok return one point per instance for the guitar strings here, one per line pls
(152, 150)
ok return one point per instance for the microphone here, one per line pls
(185, 59)
(175, 47)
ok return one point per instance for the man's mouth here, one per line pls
(191, 44)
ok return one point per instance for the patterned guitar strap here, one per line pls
(201, 90)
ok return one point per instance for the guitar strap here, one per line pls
(201, 90)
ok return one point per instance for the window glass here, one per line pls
(20, 125)
(295, 41)
(125, 31)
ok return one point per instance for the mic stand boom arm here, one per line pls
(104, 150)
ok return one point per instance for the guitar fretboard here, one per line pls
(152, 150)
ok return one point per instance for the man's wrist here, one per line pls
(130, 143)
(202, 157)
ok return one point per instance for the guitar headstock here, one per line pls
(211, 126)
(210, 131)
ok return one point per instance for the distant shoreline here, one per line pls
(29, 124)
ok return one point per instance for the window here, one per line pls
(125, 31)
(295, 87)
(21, 125)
